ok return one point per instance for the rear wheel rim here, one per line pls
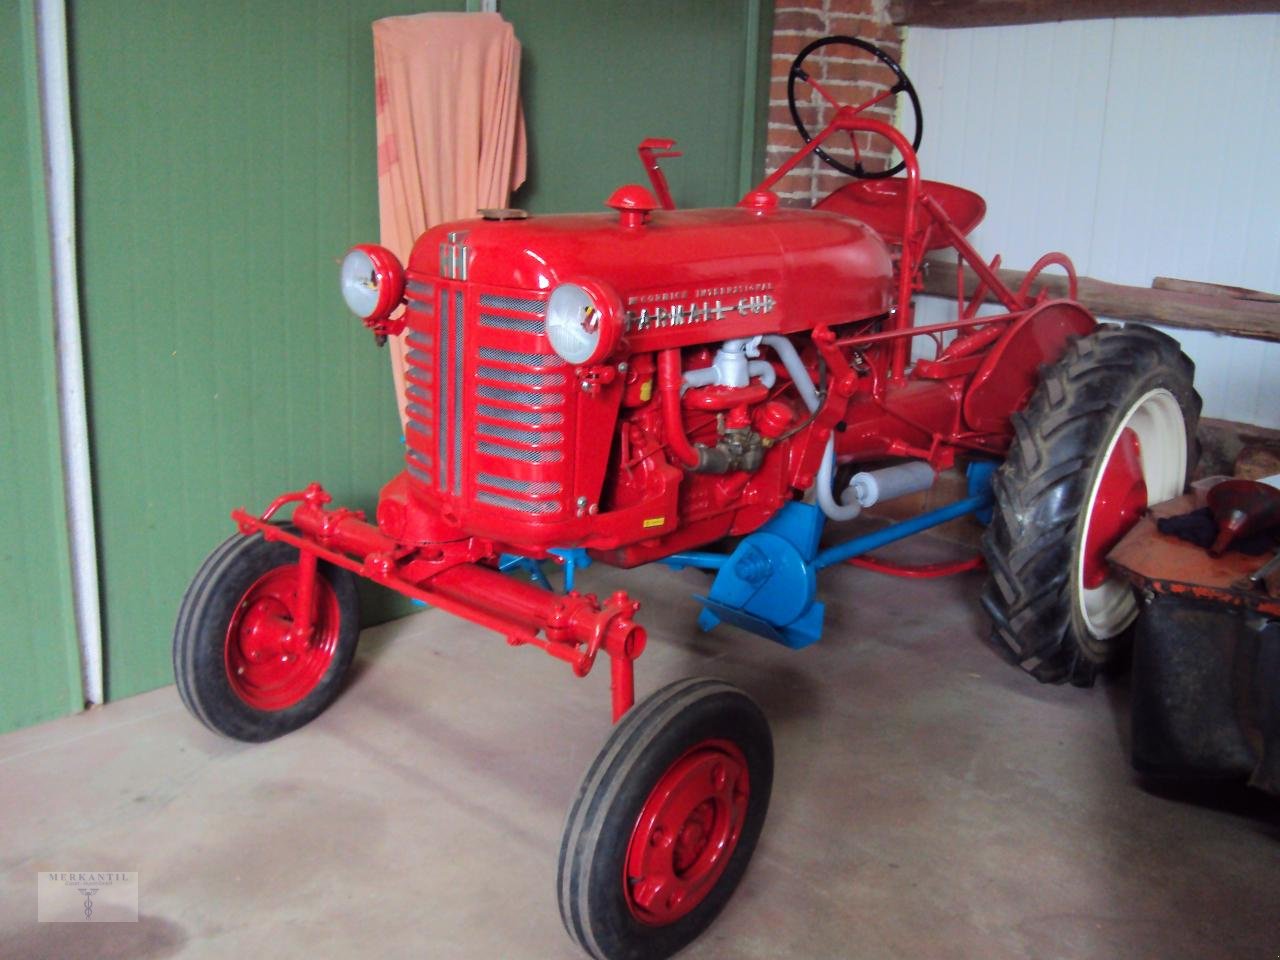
(1145, 463)
(267, 667)
(686, 833)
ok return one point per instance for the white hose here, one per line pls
(702, 377)
(55, 108)
(731, 368)
(764, 370)
(834, 511)
(795, 367)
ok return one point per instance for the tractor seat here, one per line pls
(880, 205)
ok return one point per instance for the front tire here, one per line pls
(665, 821)
(1109, 431)
(236, 667)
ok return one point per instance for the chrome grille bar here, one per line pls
(442, 386)
(459, 332)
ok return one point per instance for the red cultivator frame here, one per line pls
(634, 386)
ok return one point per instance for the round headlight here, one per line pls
(584, 321)
(372, 282)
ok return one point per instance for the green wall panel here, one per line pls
(39, 660)
(226, 160)
(601, 75)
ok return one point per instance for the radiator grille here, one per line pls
(523, 506)
(530, 488)
(421, 297)
(520, 454)
(420, 408)
(519, 324)
(419, 465)
(522, 377)
(535, 400)
(515, 304)
(535, 360)
(482, 359)
(530, 418)
(519, 434)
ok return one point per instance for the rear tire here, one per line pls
(231, 663)
(665, 821)
(1110, 430)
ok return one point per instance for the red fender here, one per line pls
(1011, 370)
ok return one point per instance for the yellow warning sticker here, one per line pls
(646, 393)
(654, 522)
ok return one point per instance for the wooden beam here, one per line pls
(990, 13)
(1217, 313)
(1213, 289)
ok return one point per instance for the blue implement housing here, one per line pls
(768, 584)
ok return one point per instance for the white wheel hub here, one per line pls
(1154, 429)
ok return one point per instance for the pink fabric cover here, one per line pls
(451, 137)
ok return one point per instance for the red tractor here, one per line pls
(635, 386)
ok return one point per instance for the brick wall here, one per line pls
(849, 75)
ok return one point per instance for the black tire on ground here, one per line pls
(622, 899)
(1044, 618)
(247, 580)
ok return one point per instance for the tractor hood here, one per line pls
(777, 269)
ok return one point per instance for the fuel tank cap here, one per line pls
(634, 204)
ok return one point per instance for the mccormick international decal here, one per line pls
(677, 308)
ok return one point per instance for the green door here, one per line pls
(226, 159)
(39, 659)
(599, 76)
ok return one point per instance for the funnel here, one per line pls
(1242, 507)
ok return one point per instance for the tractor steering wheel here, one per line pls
(901, 85)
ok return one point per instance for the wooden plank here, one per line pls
(1252, 319)
(990, 13)
(1213, 289)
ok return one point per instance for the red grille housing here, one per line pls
(489, 406)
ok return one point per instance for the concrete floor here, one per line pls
(929, 802)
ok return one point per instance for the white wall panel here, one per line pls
(1141, 147)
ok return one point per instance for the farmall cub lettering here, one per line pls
(630, 387)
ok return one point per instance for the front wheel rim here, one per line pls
(1145, 463)
(686, 833)
(268, 668)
